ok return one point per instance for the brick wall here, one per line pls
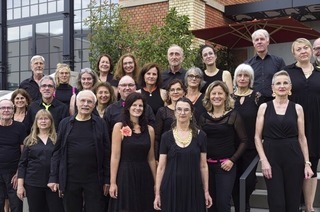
(144, 16)
(215, 18)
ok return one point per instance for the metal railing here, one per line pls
(242, 183)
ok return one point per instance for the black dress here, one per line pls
(306, 92)
(210, 79)
(134, 178)
(283, 151)
(199, 108)
(153, 99)
(181, 188)
(64, 92)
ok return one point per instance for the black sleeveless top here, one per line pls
(153, 99)
(210, 79)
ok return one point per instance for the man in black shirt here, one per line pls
(57, 109)
(37, 64)
(80, 162)
(263, 64)
(12, 134)
(175, 57)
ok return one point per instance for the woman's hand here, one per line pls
(208, 199)
(21, 192)
(157, 203)
(266, 169)
(113, 191)
(308, 173)
(227, 165)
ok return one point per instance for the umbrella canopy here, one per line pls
(239, 34)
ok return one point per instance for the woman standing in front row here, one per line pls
(224, 128)
(34, 166)
(284, 153)
(182, 175)
(133, 166)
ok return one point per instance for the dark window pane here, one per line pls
(13, 49)
(42, 28)
(56, 44)
(42, 45)
(13, 79)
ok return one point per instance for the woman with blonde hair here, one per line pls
(64, 90)
(34, 166)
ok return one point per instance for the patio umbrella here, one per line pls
(239, 34)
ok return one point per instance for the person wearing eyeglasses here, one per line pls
(31, 85)
(113, 112)
(165, 115)
(58, 109)
(212, 73)
(227, 141)
(316, 53)
(12, 134)
(150, 82)
(306, 92)
(194, 82)
(87, 80)
(34, 166)
(182, 174)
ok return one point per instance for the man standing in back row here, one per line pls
(175, 58)
(263, 64)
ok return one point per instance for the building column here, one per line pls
(68, 33)
(3, 46)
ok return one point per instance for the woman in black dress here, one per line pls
(133, 166)
(105, 97)
(182, 174)
(284, 153)
(104, 68)
(227, 140)
(306, 92)
(247, 104)
(150, 83)
(194, 82)
(34, 166)
(21, 100)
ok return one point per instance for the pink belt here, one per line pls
(217, 161)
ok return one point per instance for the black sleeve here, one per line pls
(107, 152)
(241, 135)
(150, 115)
(106, 118)
(158, 131)
(23, 163)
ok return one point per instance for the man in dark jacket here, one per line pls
(80, 162)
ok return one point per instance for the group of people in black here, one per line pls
(131, 139)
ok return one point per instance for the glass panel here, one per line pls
(34, 2)
(9, 4)
(43, 8)
(77, 5)
(84, 27)
(42, 28)
(13, 49)
(24, 75)
(77, 43)
(41, 1)
(56, 27)
(55, 58)
(34, 10)
(85, 14)
(9, 14)
(25, 12)
(13, 78)
(60, 6)
(26, 31)
(56, 44)
(16, 3)
(42, 45)
(13, 64)
(13, 33)
(16, 13)
(77, 16)
(26, 47)
(85, 4)
(52, 7)
(25, 63)
(25, 2)
(77, 26)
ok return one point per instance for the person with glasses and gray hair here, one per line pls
(12, 134)
(58, 109)
(87, 80)
(31, 85)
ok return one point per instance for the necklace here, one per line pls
(150, 91)
(246, 93)
(183, 142)
(216, 117)
(194, 99)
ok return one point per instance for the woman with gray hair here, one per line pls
(194, 82)
(247, 102)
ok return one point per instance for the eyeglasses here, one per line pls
(175, 90)
(46, 86)
(43, 119)
(6, 108)
(317, 49)
(191, 76)
(180, 110)
(127, 85)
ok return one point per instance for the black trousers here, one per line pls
(287, 166)
(41, 199)
(89, 194)
(242, 164)
(6, 190)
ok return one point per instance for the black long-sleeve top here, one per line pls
(31, 87)
(34, 165)
(221, 135)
